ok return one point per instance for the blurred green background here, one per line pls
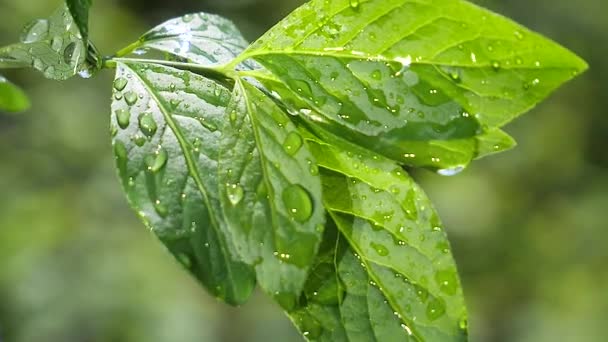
(528, 227)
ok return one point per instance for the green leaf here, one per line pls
(80, 12)
(271, 193)
(392, 227)
(12, 98)
(53, 46)
(403, 75)
(201, 38)
(166, 124)
(442, 156)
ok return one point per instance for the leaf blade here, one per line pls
(162, 169)
(53, 46)
(12, 98)
(277, 215)
(448, 72)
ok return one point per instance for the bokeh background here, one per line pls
(528, 227)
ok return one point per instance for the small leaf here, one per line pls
(80, 12)
(271, 193)
(166, 124)
(388, 75)
(12, 98)
(201, 38)
(53, 46)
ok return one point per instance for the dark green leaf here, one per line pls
(403, 75)
(166, 125)
(271, 193)
(12, 98)
(80, 12)
(201, 38)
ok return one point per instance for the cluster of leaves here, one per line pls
(282, 162)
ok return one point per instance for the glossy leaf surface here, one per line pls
(53, 46)
(271, 193)
(12, 98)
(434, 72)
(403, 283)
(166, 125)
(201, 38)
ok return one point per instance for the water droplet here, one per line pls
(354, 4)
(157, 161)
(495, 65)
(147, 124)
(435, 309)
(232, 116)
(35, 31)
(187, 18)
(71, 53)
(161, 210)
(463, 324)
(377, 75)
(120, 151)
(519, 61)
(138, 139)
(298, 203)
(452, 171)
(120, 83)
(292, 143)
(57, 43)
(380, 249)
(122, 117)
(130, 98)
(38, 64)
(519, 35)
(208, 125)
(235, 193)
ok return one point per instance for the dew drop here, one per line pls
(377, 75)
(161, 210)
(122, 117)
(130, 98)
(187, 18)
(235, 193)
(354, 4)
(147, 124)
(452, 171)
(435, 309)
(380, 249)
(157, 161)
(293, 143)
(71, 53)
(495, 65)
(298, 203)
(35, 31)
(138, 139)
(57, 43)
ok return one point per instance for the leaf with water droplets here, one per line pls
(12, 98)
(201, 38)
(53, 46)
(402, 248)
(271, 200)
(400, 77)
(168, 162)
